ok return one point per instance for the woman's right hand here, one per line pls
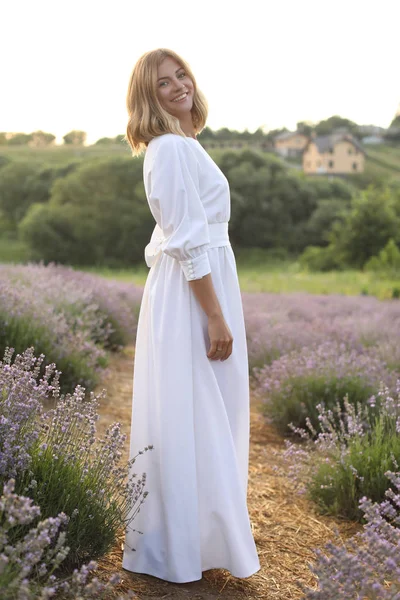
(220, 337)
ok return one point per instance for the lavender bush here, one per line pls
(28, 567)
(70, 317)
(57, 460)
(296, 383)
(368, 566)
(348, 457)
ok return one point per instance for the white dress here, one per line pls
(193, 410)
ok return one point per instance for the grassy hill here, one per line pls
(60, 155)
(383, 159)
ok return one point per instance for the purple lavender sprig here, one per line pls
(28, 566)
(368, 565)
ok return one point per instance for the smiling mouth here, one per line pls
(181, 97)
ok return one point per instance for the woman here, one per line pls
(191, 388)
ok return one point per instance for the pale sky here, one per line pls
(66, 64)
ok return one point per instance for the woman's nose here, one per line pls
(178, 84)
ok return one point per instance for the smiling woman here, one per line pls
(154, 106)
(175, 92)
(191, 387)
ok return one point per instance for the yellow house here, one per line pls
(335, 153)
(290, 143)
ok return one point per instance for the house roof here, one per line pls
(325, 143)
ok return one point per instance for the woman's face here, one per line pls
(174, 88)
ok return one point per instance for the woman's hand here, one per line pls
(221, 338)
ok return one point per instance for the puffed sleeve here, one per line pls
(172, 189)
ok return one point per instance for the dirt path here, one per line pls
(286, 527)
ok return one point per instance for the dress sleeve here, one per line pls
(172, 188)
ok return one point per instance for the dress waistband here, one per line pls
(218, 232)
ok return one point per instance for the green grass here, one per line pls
(383, 160)
(13, 251)
(59, 155)
(257, 273)
(285, 277)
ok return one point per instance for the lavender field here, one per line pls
(325, 370)
(73, 318)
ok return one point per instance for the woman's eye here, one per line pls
(183, 74)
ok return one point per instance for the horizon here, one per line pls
(70, 71)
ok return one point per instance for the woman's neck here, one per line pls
(187, 126)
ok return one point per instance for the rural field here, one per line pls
(318, 263)
(324, 364)
(130, 136)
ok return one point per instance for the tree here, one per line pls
(373, 219)
(40, 139)
(15, 189)
(97, 215)
(19, 139)
(77, 138)
(328, 126)
(305, 127)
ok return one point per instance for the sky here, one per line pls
(260, 63)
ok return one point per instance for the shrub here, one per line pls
(348, 457)
(368, 565)
(28, 566)
(295, 384)
(57, 460)
(315, 258)
(70, 317)
(387, 263)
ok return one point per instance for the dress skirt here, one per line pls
(195, 413)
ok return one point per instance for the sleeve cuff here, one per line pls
(195, 268)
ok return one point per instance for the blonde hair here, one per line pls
(147, 117)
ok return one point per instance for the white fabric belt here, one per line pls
(218, 232)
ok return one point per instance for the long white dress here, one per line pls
(193, 410)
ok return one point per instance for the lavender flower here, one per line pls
(368, 566)
(42, 448)
(27, 567)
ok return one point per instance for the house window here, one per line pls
(350, 151)
(318, 163)
(331, 150)
(331, 164)
(354, 166)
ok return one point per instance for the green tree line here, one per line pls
(95, 212)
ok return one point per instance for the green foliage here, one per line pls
(306, 392)
(327, 126)
(315, 258)
(358, 233)
(387, 263)
(327, 212)
(4, 160)
(77, 493)
(98, 215)
(21, 185)
(13, 250)
(373, 220)
(338, 484)
(19, 139)
(75, 137)
(15, 192)
(21, 332)
(271, 204)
